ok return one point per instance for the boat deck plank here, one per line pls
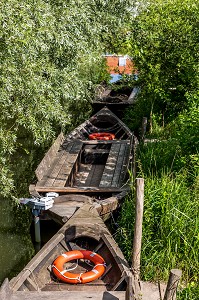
(115, 165)
(63, 295)
(122, 165)
(60, 170)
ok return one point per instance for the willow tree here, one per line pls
(50, 61)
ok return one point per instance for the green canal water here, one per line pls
(16, 247)
(17, 237)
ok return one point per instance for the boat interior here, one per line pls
(43, 279)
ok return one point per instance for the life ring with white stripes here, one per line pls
(64, 275)
(106, 136)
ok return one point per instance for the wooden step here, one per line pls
(62, 295)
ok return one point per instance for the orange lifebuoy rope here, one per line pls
(64, 275)
(101, 136)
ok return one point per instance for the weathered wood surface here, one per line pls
(63, 295)
(5, 291)
(57, 175)
(65, 206)
(84, 223)
(44, 189)
(137, 240)
(16, 282)
(116, 165)
(89, 126)
(152, 291)
(47, 160)
(174, 278)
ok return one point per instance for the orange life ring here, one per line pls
(101, 136)
(64, 275)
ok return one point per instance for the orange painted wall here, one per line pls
(113, 65)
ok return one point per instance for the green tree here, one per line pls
(50, 53)
(165, 48)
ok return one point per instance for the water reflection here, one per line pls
(16, 247)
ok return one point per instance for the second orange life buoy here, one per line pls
(106, 136)
(64, 275)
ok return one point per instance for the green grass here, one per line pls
(170, 229)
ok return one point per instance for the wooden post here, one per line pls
(37, 225)
(174, 278)
(137, 241)
(144, 124)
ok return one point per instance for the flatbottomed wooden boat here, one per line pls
(84, 231)
(82, 170)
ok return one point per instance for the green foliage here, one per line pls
(191, 292)
(133, 116)
(165, 49)
(51, 53)
(170, 228)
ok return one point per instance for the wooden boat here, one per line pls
(116, 97)
(84, 230)
(87, 171)
(118, 94)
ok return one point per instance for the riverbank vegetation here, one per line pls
(163, 42)
(51, 61)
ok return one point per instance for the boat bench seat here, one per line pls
(116, 165)
(62, 166)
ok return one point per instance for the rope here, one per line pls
(78, 278)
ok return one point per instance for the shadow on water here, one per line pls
(16, 232)
(16, 246)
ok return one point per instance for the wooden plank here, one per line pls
(69, 295)
(53, 166)
(16, 282)
(122, 165)
(95, 142)
(76, 147)
(116, 252)
(46, 161)
(118, 283)
(93, 179)
(106, 206)
(65, 170)
(65, 166)
(62, 166)
(5, 291)
(110, 166)
(118, 167)
(32, 286)
(45, 189)
(54, 173)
